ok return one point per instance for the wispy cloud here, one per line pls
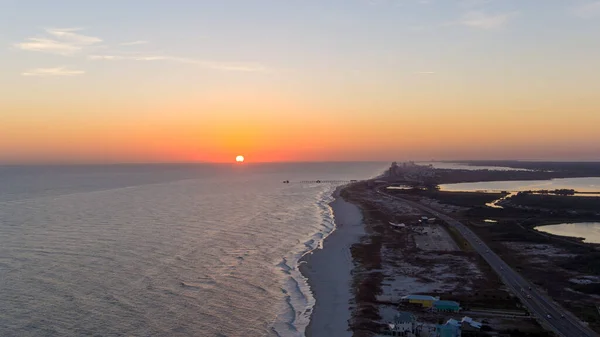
(226, 66)
(473, 3)
(72, 42)
(69, 35)
(481, 20)
(588, 10)
(64, 42)
(58, 71)
(133, 43)
(48, 46)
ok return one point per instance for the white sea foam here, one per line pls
(295, 315)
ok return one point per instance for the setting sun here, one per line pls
(239, 159)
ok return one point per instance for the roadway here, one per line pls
(546, 311)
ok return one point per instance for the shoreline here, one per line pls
(328, 271)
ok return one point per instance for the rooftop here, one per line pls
(471, 322)
(404, 317)
(442, 302)
(420, 298)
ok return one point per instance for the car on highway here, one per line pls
(549, 317)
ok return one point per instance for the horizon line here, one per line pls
(5, 164)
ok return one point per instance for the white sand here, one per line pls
(329, 273)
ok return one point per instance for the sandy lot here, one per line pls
(434, 238)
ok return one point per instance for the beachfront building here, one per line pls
(403, 325)
(468, 324)
(450, 329)
(454, 328)
(447, 306)
(424, 300)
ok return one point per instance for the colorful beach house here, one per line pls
(454, 328)
(425, 300)
(447, 306)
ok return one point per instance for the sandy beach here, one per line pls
(329, 272)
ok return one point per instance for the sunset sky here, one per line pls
(284, 80)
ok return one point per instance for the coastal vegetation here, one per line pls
(581, 169)
(557, 203)
(463, 199)
(422, 258)
(523, 171)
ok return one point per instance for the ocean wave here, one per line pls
(299, 298)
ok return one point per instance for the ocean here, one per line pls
(162, 250)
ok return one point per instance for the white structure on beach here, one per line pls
(398, 225)
(403, 325)
(454, 328)
(468, 324)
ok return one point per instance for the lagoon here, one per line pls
(590, 231)
(590, 184)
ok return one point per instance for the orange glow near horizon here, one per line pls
(318, 134)
(271, 126)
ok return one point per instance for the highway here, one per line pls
(546, 311)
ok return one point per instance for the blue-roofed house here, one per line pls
(448, 306)
(450, 329)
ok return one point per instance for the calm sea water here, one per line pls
(161, 250)
(590, 231)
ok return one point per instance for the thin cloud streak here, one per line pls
(48, 46)
(63, 42)
(49, 72)
(244, 67)
(481, 20)
(474, 3)
(68, 35)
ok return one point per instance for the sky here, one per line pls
(288, 80)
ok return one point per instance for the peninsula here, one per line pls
(429, 262)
